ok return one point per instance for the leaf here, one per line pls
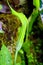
(22, 29)
(32, 20)
(5, 56)
(26, 46)
(36, 3)
(1, 7)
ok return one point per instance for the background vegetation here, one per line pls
(21, 43)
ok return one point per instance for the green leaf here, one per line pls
(36, 3)
(5, 56)
(1, 7)
(26, 46)
(32, 20)
(18, 63)
(22, 29)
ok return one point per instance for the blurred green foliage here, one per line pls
(28, 43)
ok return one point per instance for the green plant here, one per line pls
(25, 29)
(36, 3)
(5, 56)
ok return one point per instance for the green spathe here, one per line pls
(22, 29)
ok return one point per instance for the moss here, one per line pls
(10, 27)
